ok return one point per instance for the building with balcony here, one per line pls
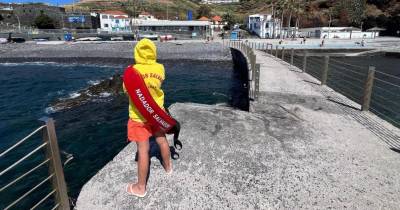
(113, 21)
(264, 26)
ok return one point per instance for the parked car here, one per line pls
(117, 38)
(148, 36)
(3, 40)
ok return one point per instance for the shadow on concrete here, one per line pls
(395, 150)
(155, 152)
(343, 104)
(295, 69)
(313, 83)
(369, 122)
(325, 104)
(316, 103)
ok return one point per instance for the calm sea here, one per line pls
(95, 132)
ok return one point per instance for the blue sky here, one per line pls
(52, 2)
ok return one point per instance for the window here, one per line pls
(104, 17)
(105, 25)
(116, 21)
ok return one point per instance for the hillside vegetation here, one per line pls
(363, 14)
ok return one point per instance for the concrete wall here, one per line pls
(318, 33)
(240, 90)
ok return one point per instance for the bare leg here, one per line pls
(164, 149)
(143, 168)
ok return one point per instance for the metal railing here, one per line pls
(372, 89)
(253, 67)
(52, 159)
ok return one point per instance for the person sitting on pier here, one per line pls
(138, 129)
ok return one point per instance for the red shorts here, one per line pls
(138, 131)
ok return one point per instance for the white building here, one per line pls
(146, 16)
(265, 26)
(114, 22)
(192, 28)
(219, 1)
(337, 33)
(217, 24)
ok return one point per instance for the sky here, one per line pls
(52, 2)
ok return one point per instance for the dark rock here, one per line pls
(106, 88)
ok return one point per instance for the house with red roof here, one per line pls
(203, 18)
(217, 23)
(114, 21)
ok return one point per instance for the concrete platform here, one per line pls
(303, 147)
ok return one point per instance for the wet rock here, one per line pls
(106, 88)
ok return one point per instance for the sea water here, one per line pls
(94, 132)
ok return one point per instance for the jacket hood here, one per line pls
(145, 52)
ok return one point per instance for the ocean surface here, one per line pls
(94, 132)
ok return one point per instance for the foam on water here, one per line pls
(61, 64)
(105, 94)
(50, 110)
(93, 82)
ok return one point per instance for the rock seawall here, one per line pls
(120, 53)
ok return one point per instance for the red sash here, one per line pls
(144, 102)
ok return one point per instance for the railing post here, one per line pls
(305, 62)
(256, 81)
(369, 83)
(291, 57)
(283, 53)
(276, 51)
(253, 61)
(272, 47)
(324, 77)
(55, 166)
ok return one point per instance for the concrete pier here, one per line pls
(302, 146)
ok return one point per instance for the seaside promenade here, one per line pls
(301, 146)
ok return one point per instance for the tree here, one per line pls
(379, 3)
(203, 10)
(357, 11)
(299, 11)
(350, 12)
(393, 26)
(230, 19)
(44, 22)
(369, 22)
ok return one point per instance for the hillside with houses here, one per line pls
(202, 19)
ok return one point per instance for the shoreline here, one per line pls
(112, 62)
(109, 52)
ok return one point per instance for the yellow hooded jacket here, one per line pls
(153, 73)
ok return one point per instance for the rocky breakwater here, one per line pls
(106, 88)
